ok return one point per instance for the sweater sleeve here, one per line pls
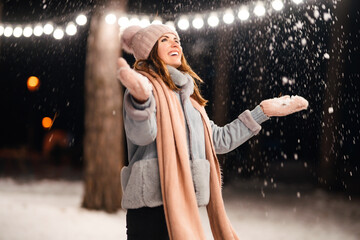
(140, 120)
(233, 134)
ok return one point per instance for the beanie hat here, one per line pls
(139, 41)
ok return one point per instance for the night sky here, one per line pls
(285, 53)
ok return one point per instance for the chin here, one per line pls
(176, 65)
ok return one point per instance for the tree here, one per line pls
(104, 151)
(330, 143)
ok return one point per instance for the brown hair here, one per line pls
(162, 71)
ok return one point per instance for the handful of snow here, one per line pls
(283, 106)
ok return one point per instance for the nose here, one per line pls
(174, 43)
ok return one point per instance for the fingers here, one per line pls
(301, 102)
(122, 63)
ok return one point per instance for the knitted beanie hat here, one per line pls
(139, 41)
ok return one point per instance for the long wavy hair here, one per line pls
(161, 70)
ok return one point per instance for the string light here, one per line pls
(243, 14)
(48, 28)
(157, 20)
(28, 31)
(134, 21)
(213, 20)
(228, 17)
(81, 20)
(297, 1)
(17, 32)
(8, 31)
(144, 22)
(71, 29)
(277, 5)
(58, 33)
(123, 22)
(183, 22)
(38, 30)
(110, 18)
(198, 22)
(259, 10)
(170, 24)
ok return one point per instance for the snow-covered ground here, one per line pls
(50, 210)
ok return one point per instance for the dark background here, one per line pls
(257, 55)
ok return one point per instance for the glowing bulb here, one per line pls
(144, 22)
(17, 32)
(157, 21)
(277, 5)
(243, 14)
(71, 29)
(33, 83)
(171, 25)
(297, 1)
(47, 122)
(81, 19)
(198, 22)
(48, 28)
(123, 22)
(259, 10)
(58, 33)
(110, 18)
(27, 31)
(38, 30)
(1, 30)
(134, 21)
(183, 23)
(228, 17)
(213, 20)
(8, 31)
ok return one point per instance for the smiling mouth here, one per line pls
(174, 54)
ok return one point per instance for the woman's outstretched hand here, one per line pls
(282, 106)
(137, 84)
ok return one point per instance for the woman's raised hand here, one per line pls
(282, 106)
(138, 85)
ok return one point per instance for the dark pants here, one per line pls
(146, 224)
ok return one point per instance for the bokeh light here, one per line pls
(33, 83)
(47, 122)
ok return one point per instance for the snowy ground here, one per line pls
(50, 210)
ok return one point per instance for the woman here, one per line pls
(172, 145)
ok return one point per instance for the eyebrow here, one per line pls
(168, 37)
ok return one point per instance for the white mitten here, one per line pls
(138, 85)
(283, 106)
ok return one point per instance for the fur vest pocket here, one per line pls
(141, 183)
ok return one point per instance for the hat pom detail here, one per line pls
(127, 37)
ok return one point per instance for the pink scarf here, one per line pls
(177, 188)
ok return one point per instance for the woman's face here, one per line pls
(169, 49)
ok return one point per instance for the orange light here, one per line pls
(47, 122)
(33, 83)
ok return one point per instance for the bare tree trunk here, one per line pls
(221, 94)
(330, 142)
(104, 150)
(221, 83)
